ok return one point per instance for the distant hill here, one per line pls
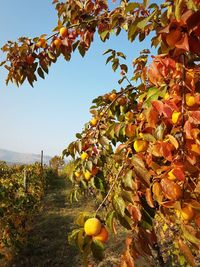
(23, 158)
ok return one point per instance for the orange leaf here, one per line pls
(194, 117)
(149, 198)
(173, 141)
(171, 189)
(186, 252)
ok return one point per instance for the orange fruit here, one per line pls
(87, 175)
(93, 122)
(57, 43)
(187, 213)
(63, 32)
(190, 100)
(102, 236)
(112, 97)
(41, 43)
(175, 116)
(92, 226)
(77, 174)
(84, 155)
(140, 145)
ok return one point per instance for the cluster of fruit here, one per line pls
(94, 229)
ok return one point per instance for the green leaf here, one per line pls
(125, 221)
(189, 236)
(97, 248)
(107, 51)
(120, 54)
(119, 205)
(110, 220)
(104, 141)
(124, 67)
(128, 180)
(109, 59)
(80, 239)
(89, 165)
(72, 237)
(104, 35)
(131, 6)
(142, 24)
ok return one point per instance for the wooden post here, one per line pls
(42, 174)
(25, 181)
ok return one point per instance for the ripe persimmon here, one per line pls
(57, 43)
(84, 155)
(92, 226)
(140, 145)
(112, 96)
(41, 43)
(93, 121)
(102, 236)
(63, 32)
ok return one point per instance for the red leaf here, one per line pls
(158, 105)
(135, 213)
(179, 173)
(194, 117)
(152, 117)
(187, 130)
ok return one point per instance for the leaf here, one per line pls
(189, 236)
(119, 205)
(142, 24)
(194, 117)
(173, 141)
(104, 35)
(128, 181)
(124, 67)
(185, 250)
(110, 221)
(108, 51)
(149, 199)
(134, 212)
(131, 6)
(80, 239)
(97, 248)
(109, 59)
(140, 169)
(159, 132)
(104, 141)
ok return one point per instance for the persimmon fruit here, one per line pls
(102, 236)
(92, 226)
(63, 32)
(140, 145)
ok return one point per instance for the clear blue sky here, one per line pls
(49, 115)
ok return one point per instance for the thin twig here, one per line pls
(110, 190)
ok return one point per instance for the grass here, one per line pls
(47, 244)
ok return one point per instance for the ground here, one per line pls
(47, 244)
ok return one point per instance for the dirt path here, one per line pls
(47, 242)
